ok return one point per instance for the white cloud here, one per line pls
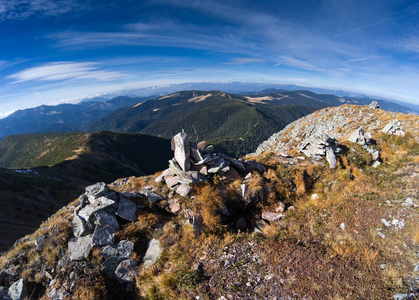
(22, 9)
(245, 61)
(65, 71)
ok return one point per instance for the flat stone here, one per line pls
(181, 146)
(270, 216)
(184, 190)
(171, 181)
(127, 271)
(103, 235)
(152, 196)
(18, 290)
(103, 218)
(217, 166)
(196, 154)
(153, 253)
(79, 248)
(126, 209)
(96, 190)
(101, 203)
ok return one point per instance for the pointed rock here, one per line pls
(331, 158)
(79, 227)
(181, 146)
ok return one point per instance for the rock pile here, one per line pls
(193, 163)
(95, 223)
(365, 140)
(319, 143)
(394, 127)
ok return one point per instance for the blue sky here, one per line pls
(54, 51)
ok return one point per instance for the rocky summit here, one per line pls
(327, 208)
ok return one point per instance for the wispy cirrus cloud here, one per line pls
(22, 9)
(245, 61)
(65, 71)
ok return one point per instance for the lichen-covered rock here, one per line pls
(103, 218)
(96, 190)
(18, 290)
(127, 271)
(103, 235)
(394, 127)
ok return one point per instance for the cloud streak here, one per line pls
(64, 71)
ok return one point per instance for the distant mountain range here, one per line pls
(61, 118)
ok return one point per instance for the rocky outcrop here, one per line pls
(318, 144)
(365, 140)
(394, 127)
(194, 163)
(95, 220)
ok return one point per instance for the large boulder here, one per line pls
(181, 146)
(394, 127)
(358, 136)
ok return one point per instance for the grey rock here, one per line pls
(126, 209)
(195, 154)
(103, 235)
(79, 226)
(171, 181)
(125, 248)
(394, 127)
(39, 241)
(416, 269)
(251, 165)
(152, 196)
(400, 296)
(358, 137)
(270, 216)
(224, 211)
(103, 218)
(374, 105)
(79, 248)
(219, 164)
(261, 225)
(18, 290)
(181, 146)
(3, 296)
(96, 190)
(376, 163)
(331, 158)
(184, 190)
(240, 224)
(100, 203)
(174, 205)
(153, 253)
(127, 271)
(109, 250)
(110, 264)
